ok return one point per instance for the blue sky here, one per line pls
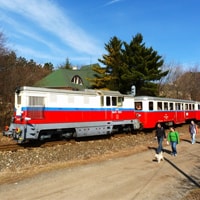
(53, 30)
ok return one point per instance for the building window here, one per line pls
(77, 80)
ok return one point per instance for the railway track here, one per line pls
(31, 145)
(10, 146)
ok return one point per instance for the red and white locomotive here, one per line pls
(42, 113)
(169, 111)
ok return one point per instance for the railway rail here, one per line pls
(38, 144)
(11, 146)
(29, 146)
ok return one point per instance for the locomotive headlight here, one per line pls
(18, 130)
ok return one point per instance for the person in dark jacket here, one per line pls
(160, 136)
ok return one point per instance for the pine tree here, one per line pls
(132, 64)
(113, 63)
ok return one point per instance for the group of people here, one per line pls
(173, 137)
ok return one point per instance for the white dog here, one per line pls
(159, 157)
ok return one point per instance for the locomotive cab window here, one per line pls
(120, 101)
(113, 101)
(108, 102)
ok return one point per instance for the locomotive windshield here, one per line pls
(111, 101)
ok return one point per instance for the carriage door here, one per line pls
(180, 114)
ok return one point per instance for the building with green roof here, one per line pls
(74, 79)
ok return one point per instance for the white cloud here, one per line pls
(112, 2)
(51, 18)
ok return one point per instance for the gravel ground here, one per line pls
(70, 153)
(24, 163)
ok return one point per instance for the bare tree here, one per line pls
(168, 86)
(189, 84)
(3, 48)
(15, 72)
(180, 83)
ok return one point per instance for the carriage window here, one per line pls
(166, 106)
(190, 107)
(159, 107)
(178, 106)
(186, 106)
(182, 106)
(171, 105)
(138, 105)
(150, 105)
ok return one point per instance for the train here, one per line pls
(46, 113)
(168, 111)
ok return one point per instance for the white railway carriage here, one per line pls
(42, 113)
(151, 110)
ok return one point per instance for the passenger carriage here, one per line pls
(42, 113)
(151, 110)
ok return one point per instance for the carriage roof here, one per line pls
(65, 91)
(151, 98)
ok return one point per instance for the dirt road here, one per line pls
(135, 177)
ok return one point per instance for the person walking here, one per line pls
(174, 139)
(193, 131)
(160, 136)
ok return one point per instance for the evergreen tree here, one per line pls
(113, 62)
(100, 80)
(66, 65)
(132, 64)
(48, 66)
(143, 67)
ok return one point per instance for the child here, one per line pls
(173, 138)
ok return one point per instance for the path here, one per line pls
(135, 177)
